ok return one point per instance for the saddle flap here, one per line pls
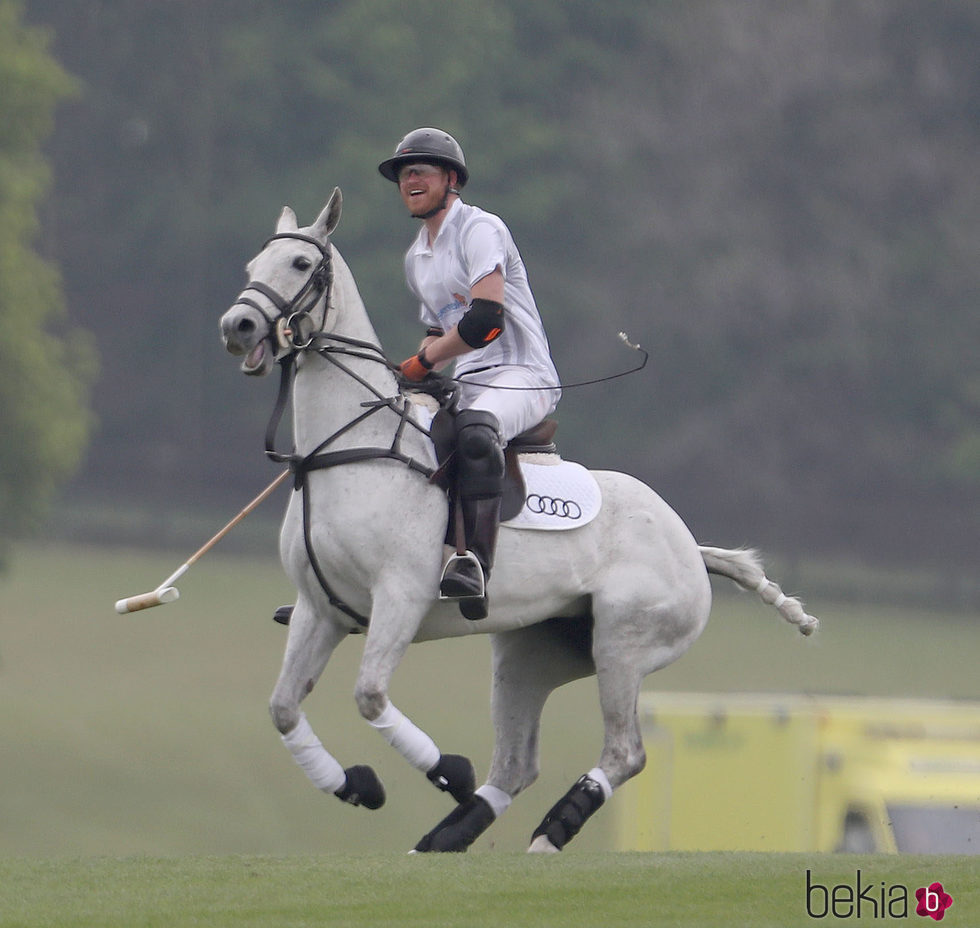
(515, 491)
(442, 431)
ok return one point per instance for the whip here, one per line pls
(623, 337)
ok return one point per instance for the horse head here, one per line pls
(285, 302)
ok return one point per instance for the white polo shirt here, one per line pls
(471, 244)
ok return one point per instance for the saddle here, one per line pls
(536, 440)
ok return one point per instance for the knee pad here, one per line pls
(479, 453)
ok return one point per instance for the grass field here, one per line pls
(482, 891)
(139, 765)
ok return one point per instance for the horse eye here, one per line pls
(302, 264)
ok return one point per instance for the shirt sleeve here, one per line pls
(484, 249)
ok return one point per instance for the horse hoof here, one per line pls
(362, 788)
(541, 845)
(454, 774)
(458, 830)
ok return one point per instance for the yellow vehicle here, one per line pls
(802, 773)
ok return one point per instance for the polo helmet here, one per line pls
(427, 146)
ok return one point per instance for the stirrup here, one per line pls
(464, 567)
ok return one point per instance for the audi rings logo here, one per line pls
(550, 506)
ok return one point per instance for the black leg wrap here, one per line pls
(363, 788)
(458, 830)
(569, 814)
(454, 774)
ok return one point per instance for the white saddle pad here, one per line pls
(561, 495)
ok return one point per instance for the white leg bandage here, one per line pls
(310, 754)
(497, 799)
(596, 774)
(407, 738)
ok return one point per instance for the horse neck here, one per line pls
(325, 396)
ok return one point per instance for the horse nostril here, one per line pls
(245, 326)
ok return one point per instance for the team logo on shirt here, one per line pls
(448, 314)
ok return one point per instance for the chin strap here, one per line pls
(438, 209)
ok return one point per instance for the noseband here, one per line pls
(293, 327)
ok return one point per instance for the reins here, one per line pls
(293, 332)
(320, 458)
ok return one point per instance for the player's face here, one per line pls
(423, 187)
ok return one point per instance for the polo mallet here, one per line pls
(166, 592)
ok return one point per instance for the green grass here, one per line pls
(149, 734)
(497, 891)
(142, 783)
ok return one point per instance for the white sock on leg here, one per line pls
(407, 738)
(320, 766)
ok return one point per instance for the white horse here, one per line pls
(362, 539)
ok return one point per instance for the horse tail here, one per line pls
(744, 567)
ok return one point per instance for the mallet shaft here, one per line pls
(208, 545)
(166, 592)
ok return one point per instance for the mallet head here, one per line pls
(165, 594)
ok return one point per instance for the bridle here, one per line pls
(293, 332)
(293, 329)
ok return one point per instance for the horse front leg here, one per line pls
(311, 642)
(388, 638)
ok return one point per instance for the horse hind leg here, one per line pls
(625, 650)
(528, 664)
(622, 757)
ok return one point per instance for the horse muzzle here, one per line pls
(246, 331)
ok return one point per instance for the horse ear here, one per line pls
(328, 220)
(287, 221)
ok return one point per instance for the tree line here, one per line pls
(778, 201)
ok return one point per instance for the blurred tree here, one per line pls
(201, 120)
(779, 200)
(46, 365)
(798, 238)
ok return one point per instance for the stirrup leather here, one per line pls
(467, 565)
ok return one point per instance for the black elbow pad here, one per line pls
(482, 323)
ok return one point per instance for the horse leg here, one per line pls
(622, 757)
(528, 664)
(629, 643)
(386, 644)
(310, 643)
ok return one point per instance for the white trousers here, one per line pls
(516, 410)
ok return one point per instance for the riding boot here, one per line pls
(480, 475)
(465, 577)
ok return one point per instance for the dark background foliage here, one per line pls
(779, 201)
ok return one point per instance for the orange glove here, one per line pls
(416, 368)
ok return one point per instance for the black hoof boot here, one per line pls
(569, 814)
(454, 774)
(458, 830)
(363, 788)
(283, 614)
